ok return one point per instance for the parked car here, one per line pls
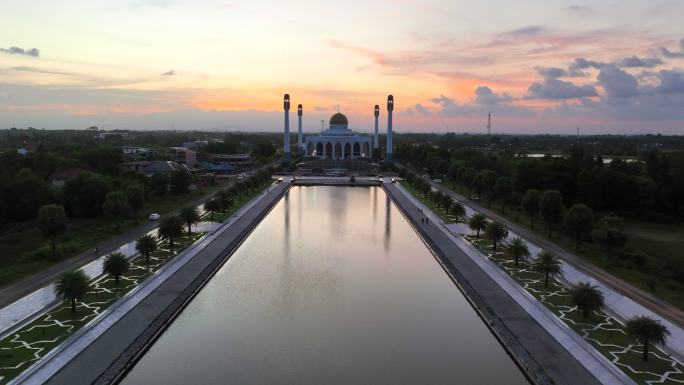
(154, 217)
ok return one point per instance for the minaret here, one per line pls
(300, 143)
(286, 139)
(375, 136)
(390, 108)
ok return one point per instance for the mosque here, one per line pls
(338, 142)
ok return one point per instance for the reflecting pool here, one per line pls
(332, 287)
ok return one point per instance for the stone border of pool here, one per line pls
(111, 346)
(566, 371)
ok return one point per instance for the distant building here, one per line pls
(150, 168)
(185, 156)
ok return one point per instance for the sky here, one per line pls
(539, 66)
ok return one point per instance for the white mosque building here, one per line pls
(338, 142)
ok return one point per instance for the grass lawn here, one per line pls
(19, 243)
(446, 217)
(602, 331)
(238, 203)
(652, 259)
(28, 344)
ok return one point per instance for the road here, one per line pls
(640, 296)
(34, 282)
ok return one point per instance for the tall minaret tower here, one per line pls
(390, 108)
(376, 112)
(286, 139)
(300, 143)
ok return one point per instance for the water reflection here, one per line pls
(327, 304)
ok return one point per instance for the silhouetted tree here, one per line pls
(52, 223)
(548, 264)
(72, 286)
(646, 331)
(530, 204)
(587, 298)
(115, 265)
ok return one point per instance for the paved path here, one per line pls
(581, 350)
(114, 339)
(555, 360)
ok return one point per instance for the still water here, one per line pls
(332, 287)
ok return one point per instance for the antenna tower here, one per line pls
(489, 124)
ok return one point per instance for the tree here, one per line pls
(495, 232)
(116, 265)
(646, 331)
(488, 182)
(84, 195)
(159, 183)
(458, 210)
(504, 190)
(145, 245)
(517, 250)
(551, 208)
(180, 182)
(477, 223)
(52, 223)
(190, 216)
(530, 204)
(467, 178)
(476, 184)
(447, 202)
(212, 205)
(169, 228)
(116, 206)
(136, 197)
(579, 220)
(548, 264)
(610, 232)
(72, 286)
(587, 298)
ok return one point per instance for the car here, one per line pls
(394, 180)
(279, 180)
(437, 180)
(154, 217)
(292, 180)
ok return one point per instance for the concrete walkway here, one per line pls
(618, 303)
(540, 343)
(104, 347)
(636, 299)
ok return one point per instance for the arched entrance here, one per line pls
(338, 151)
(347, 151)
(328, 150)
(319, 149)
(357, 150)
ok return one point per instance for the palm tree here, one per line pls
(212, 205)
(190, 216)
(72, 286)
(169, 228)
(477, 222)
(548, 264)
(587, 298)
(145, 245)
(116, 265)
(517, 250)
(646, 331)
(496, 232)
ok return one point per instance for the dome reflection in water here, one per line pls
(332, 287)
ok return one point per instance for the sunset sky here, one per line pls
(538, 65)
